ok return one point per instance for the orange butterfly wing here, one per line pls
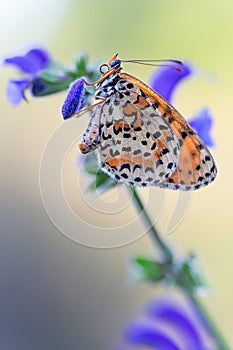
(196, 167)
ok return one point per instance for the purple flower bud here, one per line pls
(74, 100)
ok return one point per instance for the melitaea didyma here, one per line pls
(141, 139)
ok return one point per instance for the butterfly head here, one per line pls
(115, 63)
(112, 66)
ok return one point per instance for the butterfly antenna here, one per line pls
(155, 64)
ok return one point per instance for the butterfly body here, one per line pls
(141, 139)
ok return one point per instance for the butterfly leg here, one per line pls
(88, 108)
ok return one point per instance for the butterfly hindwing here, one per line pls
(137, 146)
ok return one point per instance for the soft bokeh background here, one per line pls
(57, 294)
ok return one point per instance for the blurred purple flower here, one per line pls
(202, 122)
(165, 80)
(74, 99)
(15, 90)
(38, 87)
(29, 64)
(169, 325)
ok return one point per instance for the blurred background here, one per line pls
(58, 294)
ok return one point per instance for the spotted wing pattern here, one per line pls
(137, 146)
(196, 167)
(142, 140)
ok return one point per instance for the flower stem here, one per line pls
(167, 253)
(170, 260)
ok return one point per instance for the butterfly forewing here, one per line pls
(196, 167)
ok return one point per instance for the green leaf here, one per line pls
(81, 64)
(102, 181)
(148, 269)
(90, 90)
(50, 89)
(83, 68)
(90, 165)
(188, 275)
(55, 74)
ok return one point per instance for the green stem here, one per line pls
(169, 259)
(167, 254)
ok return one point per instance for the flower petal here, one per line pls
(174, 315)
(15, 91)
(32, 62)
(202, 123)
(40, 57)
(74, 100)
(165, 79)
(144, 334)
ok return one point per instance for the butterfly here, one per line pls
(140, 138)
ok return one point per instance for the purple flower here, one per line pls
(15, 90)
(74, 100)
(169, 325)
(30, 64)
(165, 80)
(202, 122)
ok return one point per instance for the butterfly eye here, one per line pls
(104, 68)
(115, 63)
